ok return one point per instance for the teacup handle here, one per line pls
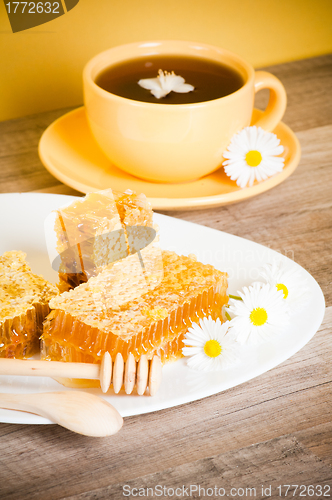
(277, 103)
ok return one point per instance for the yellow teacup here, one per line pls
(174, 142)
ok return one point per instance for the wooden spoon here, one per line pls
(79, 412)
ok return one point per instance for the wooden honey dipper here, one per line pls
(142, 373)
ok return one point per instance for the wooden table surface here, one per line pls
(273, 430)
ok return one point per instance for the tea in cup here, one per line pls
(178, 135)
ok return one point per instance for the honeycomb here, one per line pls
(81, 330)
(24, 301)
(95, 231)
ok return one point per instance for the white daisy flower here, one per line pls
(208, 346)
(253, 155)
(165, 83)
(288, 279)
(261, 313)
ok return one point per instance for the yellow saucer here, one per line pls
(69, 152)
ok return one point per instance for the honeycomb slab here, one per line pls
(97, 230)
(24, 299)
(81, 329)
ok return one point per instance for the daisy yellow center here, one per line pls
(253, 158)
(212, 348)
(258, 316)
(284, 288)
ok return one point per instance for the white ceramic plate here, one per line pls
(22, 228)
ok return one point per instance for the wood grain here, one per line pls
(306, 82)
(20, 166)
(252, 472)
(275, 429)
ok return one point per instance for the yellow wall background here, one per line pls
(40, 68)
